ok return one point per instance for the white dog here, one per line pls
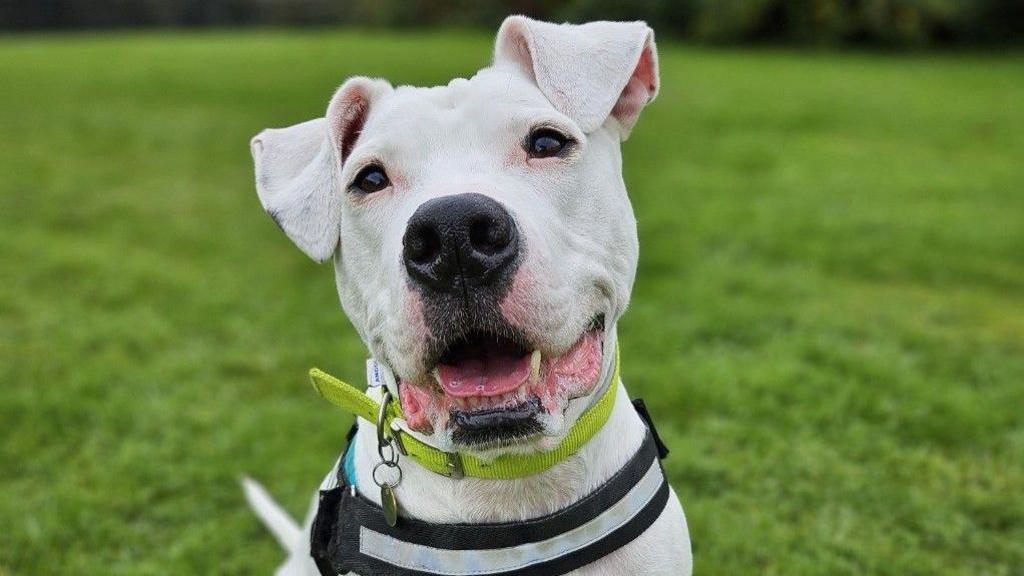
(484, 248)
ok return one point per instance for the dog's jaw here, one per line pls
(455, 396)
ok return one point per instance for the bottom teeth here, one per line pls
(472, 403)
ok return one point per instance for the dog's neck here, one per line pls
(431, 497)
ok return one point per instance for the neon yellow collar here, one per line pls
(458, 464)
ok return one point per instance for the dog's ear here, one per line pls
(589, 72)
(297, 168)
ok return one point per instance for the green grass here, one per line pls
(828, 322)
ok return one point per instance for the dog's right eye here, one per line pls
(546, 142)
(370, 179)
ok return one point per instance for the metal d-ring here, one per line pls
(379, 483)
(384, 436)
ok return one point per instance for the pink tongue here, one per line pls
(488, 376)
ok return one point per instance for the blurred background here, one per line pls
(827, 322)
(814, 22)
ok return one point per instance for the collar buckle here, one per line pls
(453, 462)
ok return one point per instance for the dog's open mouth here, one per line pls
(492, 389)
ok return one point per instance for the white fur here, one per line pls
(573, 215)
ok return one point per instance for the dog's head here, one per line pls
(483, 242)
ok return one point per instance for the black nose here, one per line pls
(455, 242)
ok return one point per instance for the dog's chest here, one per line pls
(617, 525)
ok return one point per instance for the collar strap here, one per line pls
(350, 533)
(458, 464)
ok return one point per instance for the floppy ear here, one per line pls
(297, 168)
(589, 72)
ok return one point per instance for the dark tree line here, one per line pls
(869, 22)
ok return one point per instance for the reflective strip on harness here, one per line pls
(351, 535)
(497, 561)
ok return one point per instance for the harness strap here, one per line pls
(456, 464)
(350, 533)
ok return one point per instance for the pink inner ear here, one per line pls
(638, 91)
(351, 116)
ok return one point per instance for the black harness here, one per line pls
(350, 533)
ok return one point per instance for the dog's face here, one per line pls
(482, 238)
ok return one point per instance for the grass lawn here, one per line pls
(828, 322)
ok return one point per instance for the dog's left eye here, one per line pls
(371, 179)
(546, 142)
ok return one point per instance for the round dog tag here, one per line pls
(389, 504)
